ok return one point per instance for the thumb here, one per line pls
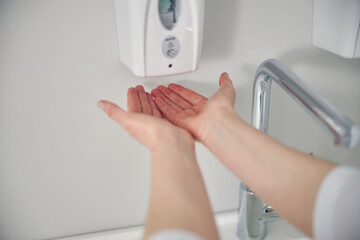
(113, 111)
(129, 121)
(136, 124)
(226, 93)
(225, 80)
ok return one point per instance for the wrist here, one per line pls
(215, 124)
(171, 159)
(173, 142)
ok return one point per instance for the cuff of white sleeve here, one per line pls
(175, 234)
(336, 211)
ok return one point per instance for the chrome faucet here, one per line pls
(254, 214)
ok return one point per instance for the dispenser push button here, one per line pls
(170, 47)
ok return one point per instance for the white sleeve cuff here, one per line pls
(175, 234)
(337, 207)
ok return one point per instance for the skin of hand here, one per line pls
(191, 111)
(178, 195)
(285, 178)
(143, 121)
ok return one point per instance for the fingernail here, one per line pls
(228, 77)
(101, 105)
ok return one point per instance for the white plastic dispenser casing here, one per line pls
(160, 37)
(336, 27)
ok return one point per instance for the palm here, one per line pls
(181, 106)
(144, 120)
(190, 110)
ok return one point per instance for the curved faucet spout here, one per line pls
(340, 127)
(253, 213)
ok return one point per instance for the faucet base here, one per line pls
(254, 215)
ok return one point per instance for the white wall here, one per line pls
(66, 169)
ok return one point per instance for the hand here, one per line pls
(143, 121)
(175, 172)
(192, 111)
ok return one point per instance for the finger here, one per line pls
(133, 102)
(165, 109)
(113, 111)
(158, 94)
(179, 101)
(146, 109)
(155, 110)
(225, 80)
(187, 94)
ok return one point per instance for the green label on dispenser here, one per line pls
(169, 12)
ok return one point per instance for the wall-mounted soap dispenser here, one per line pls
(336, 26)
(160, 37)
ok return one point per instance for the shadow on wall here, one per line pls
(316, 57)
(309, 56)
(219, 28)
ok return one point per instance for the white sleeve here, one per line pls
(175, 234)
(337, 207)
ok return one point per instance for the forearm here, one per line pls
(178, 194)
(285, 178)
